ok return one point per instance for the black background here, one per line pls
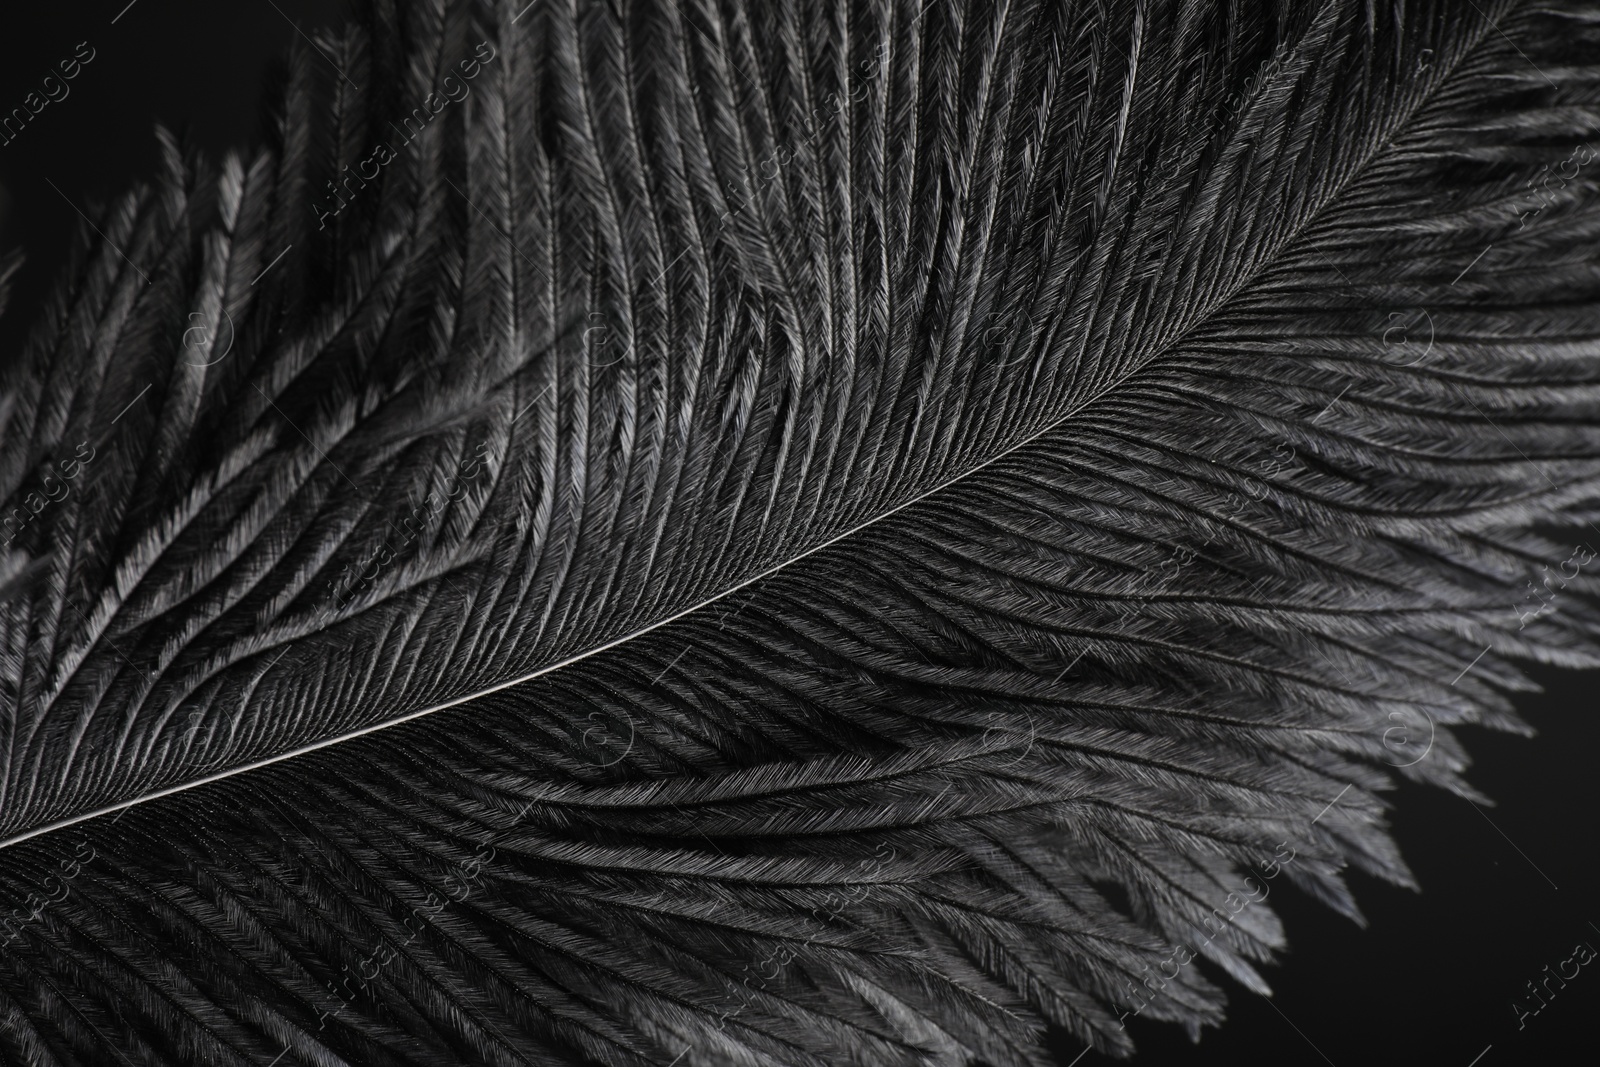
(1431, 978)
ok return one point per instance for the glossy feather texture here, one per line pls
(807, 533)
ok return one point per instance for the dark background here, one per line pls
(1431, 978)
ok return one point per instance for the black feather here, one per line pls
(817, 533)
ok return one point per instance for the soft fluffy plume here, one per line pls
(796, 533)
